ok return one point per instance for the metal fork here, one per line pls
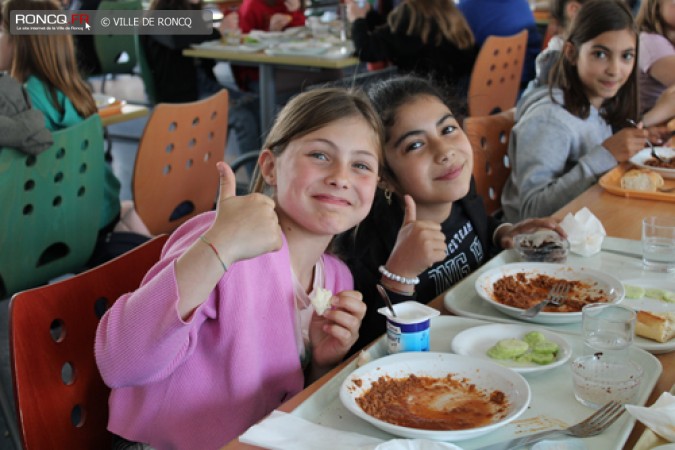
(651, 146)
(591, 426)
(554, 297)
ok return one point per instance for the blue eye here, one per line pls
(319, 155)
(362, 166)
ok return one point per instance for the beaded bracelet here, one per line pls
(398, 278)
(215, 250)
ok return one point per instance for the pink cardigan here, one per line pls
(199, 384)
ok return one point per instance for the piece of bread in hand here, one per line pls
(641, 180)
(659, 327)
(320, 299)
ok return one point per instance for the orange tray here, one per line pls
(112, 109)
(611, 182)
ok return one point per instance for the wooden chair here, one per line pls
(61, 400)
(495, 79)
(489, 137)
(175, 174)
(51, 207)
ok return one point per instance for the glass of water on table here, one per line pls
(658, 244)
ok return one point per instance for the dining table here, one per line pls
(268, 62)
(621, 216)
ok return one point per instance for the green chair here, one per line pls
(146, 70)
(51, 207)
(116, 53)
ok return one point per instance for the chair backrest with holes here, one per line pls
(116, 52)
(496, 75)
(175, 174)
(51, 207)
(61, 400)
(489, 137)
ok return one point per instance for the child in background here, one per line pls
(563, 139)
(656, 60)
(221, 330)
(563, 13)
(270, 15)
(426, 37)
(180, 79)
(47, 67)
(428, 224)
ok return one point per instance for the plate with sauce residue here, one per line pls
(446, 391)
(644, 156)
(587, 286)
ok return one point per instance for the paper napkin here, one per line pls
(584, 232)
(660, 417)
(282, 431)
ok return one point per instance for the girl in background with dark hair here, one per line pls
(564, 139)
(425, 37)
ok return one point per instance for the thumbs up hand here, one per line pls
(245, 226)
(419, 244)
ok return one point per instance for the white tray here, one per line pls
(553, 403)
(463, 300)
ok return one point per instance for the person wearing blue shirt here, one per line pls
(504, 18)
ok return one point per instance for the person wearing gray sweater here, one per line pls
(21, 127)
(570, 133)
(554, 156)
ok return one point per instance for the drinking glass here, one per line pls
(607, 329)
(658, 244)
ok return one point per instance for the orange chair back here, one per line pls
(175, 176)
(495, 78)
(61, 401)
(489, 137)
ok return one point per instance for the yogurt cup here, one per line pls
(409, 331)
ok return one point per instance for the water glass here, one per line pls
(658, 244)
(607, 329)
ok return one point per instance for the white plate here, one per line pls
(601, 280)
(477, 340)
(486, 375)
(653, 305)
(645, 154)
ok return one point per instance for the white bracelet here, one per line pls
(398, 278)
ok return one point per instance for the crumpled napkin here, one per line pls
(584, 232)
(282, 431)
(660, 417)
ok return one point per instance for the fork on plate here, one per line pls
(556, 295)
(591, 426)
(651, 146)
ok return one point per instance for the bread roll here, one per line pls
(641, 180)
(656, 326)
(320, 299)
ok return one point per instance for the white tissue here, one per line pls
(659, 417)
(584, 232)
(282, 431)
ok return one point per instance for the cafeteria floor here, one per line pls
(124, 144)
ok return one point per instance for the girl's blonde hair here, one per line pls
(593, 19)
(315, 109)
(432, 21)
(50, 58)
(649, 17)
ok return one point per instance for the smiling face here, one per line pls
(429, 154)
(604, 63)
(325, 181)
